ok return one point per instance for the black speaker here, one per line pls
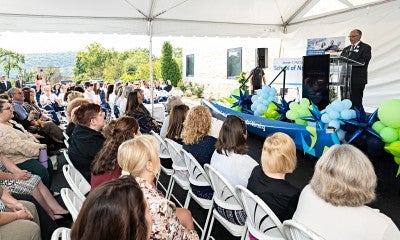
(262, 57)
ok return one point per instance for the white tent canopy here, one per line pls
(292, 21)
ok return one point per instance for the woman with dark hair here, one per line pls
(136, 109)
(114, 210)
(175, 123)
(86, 139)
(41, 121)
(21, 146)
(231, 160)
(105, 166)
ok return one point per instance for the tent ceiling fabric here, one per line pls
(242, 18)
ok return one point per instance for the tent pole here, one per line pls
(150, 28)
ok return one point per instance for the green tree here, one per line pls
(169, 67)
(11, 60)
(91, 62)
(143, 71)
(113, 70)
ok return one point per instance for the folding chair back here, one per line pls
(296, 231)
(261, 220)
(76, 181)
(72, 201)
(61, 233)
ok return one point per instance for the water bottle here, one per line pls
(43, 157)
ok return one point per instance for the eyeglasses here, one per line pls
(353, 36)
(10, 107)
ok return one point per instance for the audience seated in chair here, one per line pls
(21, 146)
(140, 158)
(18, 220)
(86, 140)
(105, 166)
(198, 142)
(51, 103)
(231, 160)
(114, 210)
(136, 109)
(22, 182)
(267, 181)
(71, 106)
(333, 204)
(171, 102)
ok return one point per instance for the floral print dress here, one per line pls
(166, 224)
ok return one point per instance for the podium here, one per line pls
(340, 69)
(326, 78)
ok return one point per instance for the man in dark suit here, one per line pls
(20, 83)
(4, 84)
(360, 52)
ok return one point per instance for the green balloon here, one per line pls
(301, 121)
(378, 126)
(389, 134)
(397, 160)
(393, 148)
(389, 114)
(292, 115)
(305, 102)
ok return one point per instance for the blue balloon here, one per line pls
(329, 108)
(325, 118)
(341, 134)
(335, 124)
(334, 115)
(254, 98)
(257, 113)
(346, 114)
(337, 105)
(265, 102)
(347, 103)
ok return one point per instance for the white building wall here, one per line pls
(210, 61)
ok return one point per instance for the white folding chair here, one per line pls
(164, 154)
(181, 174)
(61, 233)
(198, 177)
(72, 201)
(66, 137)
(261, 220)
(297, 231)
(225, 197)
(66, 156)
(76, 181)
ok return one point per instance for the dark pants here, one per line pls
(34, 167)
(357, 93)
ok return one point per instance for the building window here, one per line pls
(234, 60)
(190, 65)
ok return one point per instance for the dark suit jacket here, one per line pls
(4, 87)
(19, 85)
(362, 54)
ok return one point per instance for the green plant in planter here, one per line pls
(241, 78)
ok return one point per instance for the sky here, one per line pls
(26, 42)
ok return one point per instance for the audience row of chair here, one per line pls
(261, 221)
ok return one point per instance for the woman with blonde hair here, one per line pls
(333, 204)
(198, 142)
(278, 157)
(140, 158)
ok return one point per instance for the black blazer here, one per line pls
(5, 87)
(19, 85)
(362, 54)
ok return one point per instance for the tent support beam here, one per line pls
(340, 12)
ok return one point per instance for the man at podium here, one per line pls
(360, 52)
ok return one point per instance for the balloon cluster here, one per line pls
(389, 127)
(335, 111)
(262, 100)
(298, 111)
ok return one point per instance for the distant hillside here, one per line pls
(64, 60)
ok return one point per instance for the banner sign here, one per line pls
(320, 46)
